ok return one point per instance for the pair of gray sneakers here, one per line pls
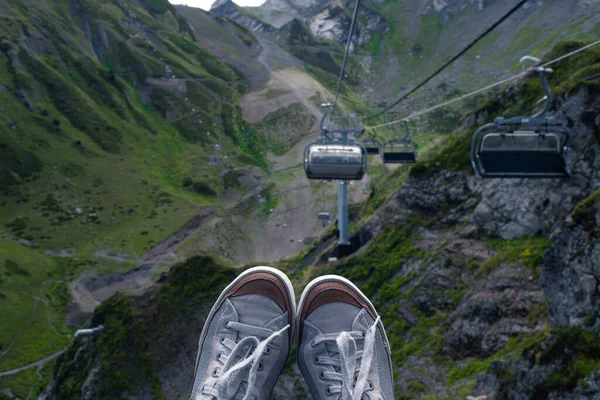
(343, 352)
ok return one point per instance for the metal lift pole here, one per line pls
(343, 212)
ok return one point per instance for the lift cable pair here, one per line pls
(494, 85)
(453, 59)
(346, 52)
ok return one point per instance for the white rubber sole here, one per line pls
(337, 278)
(269, 270)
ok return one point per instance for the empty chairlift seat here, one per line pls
(335, 161)
(372, 146)
(324, 216)
(400, 151)
(521, 148)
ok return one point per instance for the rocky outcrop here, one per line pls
(571, 278)
(497, 310)
(334, 24)
(229, 9)
(326, 19)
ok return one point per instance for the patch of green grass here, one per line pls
(578, 353)
(513, 349)
(528, 251)
(29, 280)
(159, 6)
(453, 154)
(271, 200)
(585, 212)
(383, 258)
(391, 289)
(272, 93)
(283, 128)
(230, 179)
(16, 161)
(423, 339)
(74, 105)
(474, 368)
(28, 383)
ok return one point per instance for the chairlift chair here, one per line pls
(523, 147)
(331, 160)
(371, 145)
(400, 150)
(324, 216)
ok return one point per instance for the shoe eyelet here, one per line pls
(222, 341)
(312, 344)
(370, 385)
(316, 360)
(328, 392)
(267, 351)
(215, 373)
(260, 366)
(322, 375)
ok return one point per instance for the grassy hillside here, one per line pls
(110, 111)
(422, 39)
(457, 306)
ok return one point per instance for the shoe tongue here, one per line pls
(241, 391)
(334, 352)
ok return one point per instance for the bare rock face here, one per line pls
(493, 312)
(229, 9)
(326, 19)
(334, 24)
(303, 8)
(571, 279)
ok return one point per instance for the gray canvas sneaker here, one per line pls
(246, 338)
(343, 351)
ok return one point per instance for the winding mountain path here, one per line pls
(36, 364)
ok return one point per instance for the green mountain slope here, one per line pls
(423, 35)
(111, 112)
(467, 311)
(122, 127)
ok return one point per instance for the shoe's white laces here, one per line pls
(347, 362)
(241, 357)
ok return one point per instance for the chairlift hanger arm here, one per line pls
(542, 72)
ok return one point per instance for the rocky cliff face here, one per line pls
(486, 288)
(326, 19)
(333, 23)
(229, 9)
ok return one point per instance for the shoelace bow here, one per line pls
(241, 357)
(347, 362)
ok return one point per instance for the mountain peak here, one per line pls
(221, 3)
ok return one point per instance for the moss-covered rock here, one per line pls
(142, 336)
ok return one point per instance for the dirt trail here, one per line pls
(293, 225)
(36, 364)
(282, 234)
(91, 289)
